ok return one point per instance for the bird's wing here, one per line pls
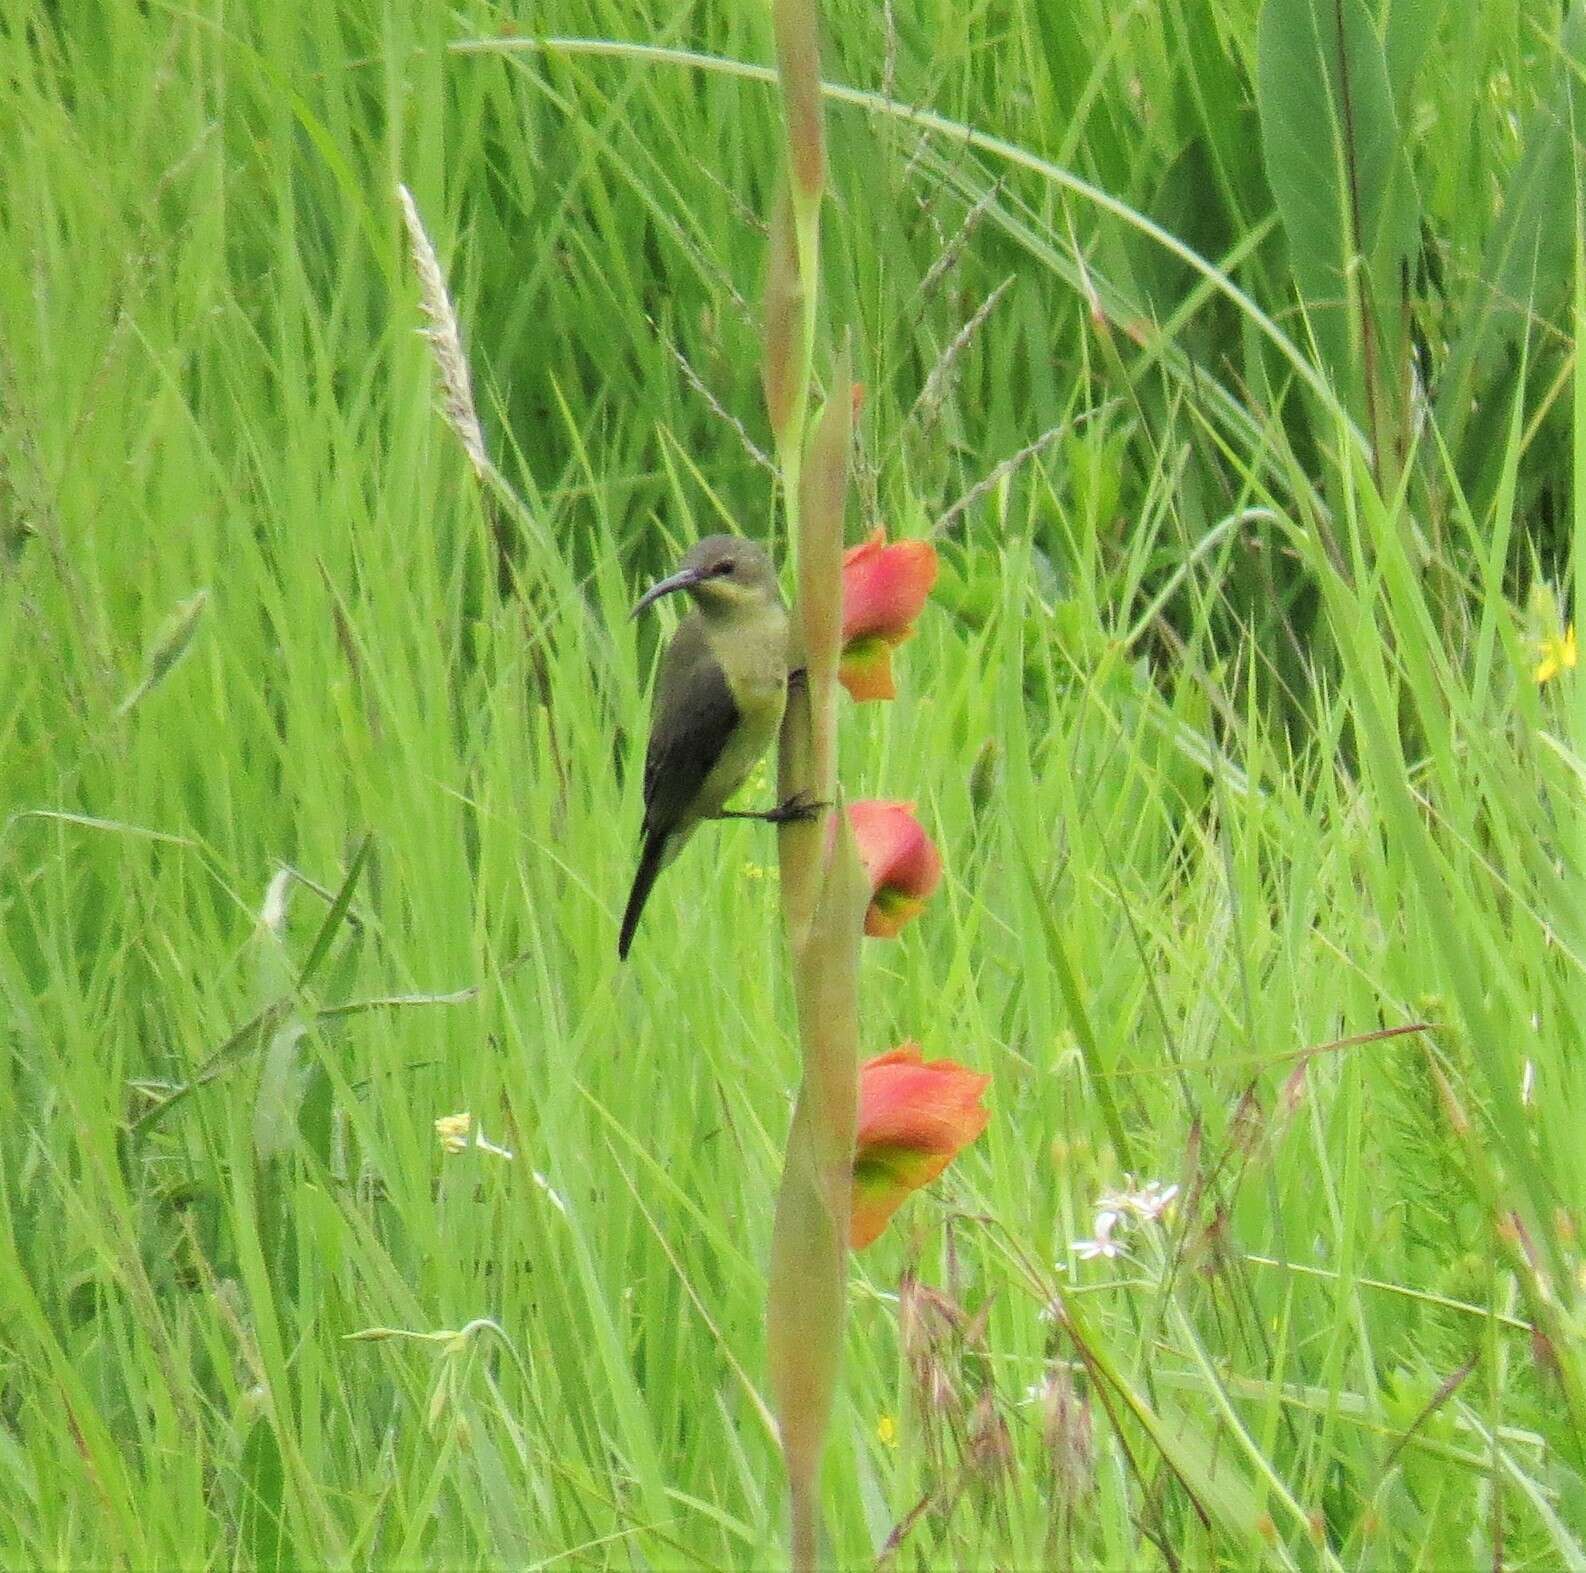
(695, 715)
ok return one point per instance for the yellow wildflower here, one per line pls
(454, 1131)
(458, 1133)
(887, 1431)
(1558, 654)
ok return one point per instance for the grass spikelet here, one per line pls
(171, 643)
(929, 402)
(445, 340)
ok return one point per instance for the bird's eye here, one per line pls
(723, 567)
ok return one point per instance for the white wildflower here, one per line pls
(1147, 1202)
(1102, 1243)
(1117, 1212)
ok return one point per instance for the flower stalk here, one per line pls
(825, 890)
(849, 1162)
(824, 885)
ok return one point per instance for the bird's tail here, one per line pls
(651, 861)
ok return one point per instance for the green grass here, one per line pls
(1231, 746)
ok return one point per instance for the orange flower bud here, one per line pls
(901, 860)
(884, 590)
(914, 1119)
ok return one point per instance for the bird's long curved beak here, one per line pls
(668, 586)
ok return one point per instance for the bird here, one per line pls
(719, 698)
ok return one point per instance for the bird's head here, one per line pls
(723, 574)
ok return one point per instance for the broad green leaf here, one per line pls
(264, 1542)
(1408, 28)
(1526, 268)
(1343, 187)
(283, 1079)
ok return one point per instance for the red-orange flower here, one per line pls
(901, 860)
(884, 589)
(914, 1119)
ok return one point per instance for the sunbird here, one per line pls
(718, 702)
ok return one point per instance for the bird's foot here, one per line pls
(800, 807)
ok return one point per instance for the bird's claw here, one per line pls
(798, 809)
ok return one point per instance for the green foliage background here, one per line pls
(1228, 734)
